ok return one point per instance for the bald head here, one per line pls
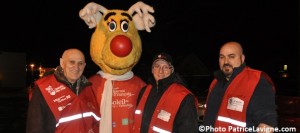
(234, 46)
(73, 51)
(230, 56)
(73, 64)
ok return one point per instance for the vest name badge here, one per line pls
(235, 103)
(164, 115)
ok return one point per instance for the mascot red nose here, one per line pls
(121, 46)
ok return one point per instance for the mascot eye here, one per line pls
(124, 26)
(112, 26)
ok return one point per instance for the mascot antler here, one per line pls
(143, 20)
(91, 14)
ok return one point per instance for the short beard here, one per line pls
(227, 73)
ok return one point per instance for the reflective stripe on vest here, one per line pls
(77, 116)
(138, 112)
(232, 121)
(156, 129)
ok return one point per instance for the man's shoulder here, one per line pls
(264, 77)
(44, 79)
(138, 79)
(94, 77)
(252, 69)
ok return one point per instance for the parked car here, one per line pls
(288, 111)
(288, 102)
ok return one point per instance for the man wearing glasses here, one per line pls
(165, 104)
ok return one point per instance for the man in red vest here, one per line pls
(55, 105)
(240, 99)
(165, 105)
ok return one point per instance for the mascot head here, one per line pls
(116, 45)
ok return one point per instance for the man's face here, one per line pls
(230, 57)
(161, 69)
(73, 65)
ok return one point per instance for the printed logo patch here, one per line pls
(236, 104)
(164, 115)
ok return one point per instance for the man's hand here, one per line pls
(264, 128)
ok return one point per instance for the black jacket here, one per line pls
(186, 120)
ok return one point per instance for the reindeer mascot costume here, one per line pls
(116, 48)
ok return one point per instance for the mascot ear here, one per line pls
(143, 20)
(92, 13)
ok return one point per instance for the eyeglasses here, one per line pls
(164, 68)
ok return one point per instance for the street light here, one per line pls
(32, 65)
(41, 72)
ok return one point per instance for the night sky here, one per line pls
(267, 29)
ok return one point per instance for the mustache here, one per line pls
(225, 65)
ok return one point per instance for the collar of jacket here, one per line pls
(59, 75)
(164, 84)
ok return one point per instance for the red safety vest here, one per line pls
(232, 112)
(165, 111)
(124, 100)
(70, 112)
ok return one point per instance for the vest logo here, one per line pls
(50, 90)
(164, 115)
(62, 107)
(62, 98)
(235, 104)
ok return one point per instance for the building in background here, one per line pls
(12, 70)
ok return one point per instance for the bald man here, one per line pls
(240, 98)
(72, 64)
(55, 105)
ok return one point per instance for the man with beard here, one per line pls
(240, 99)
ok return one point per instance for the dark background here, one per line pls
(267, 29)
(190, 30)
